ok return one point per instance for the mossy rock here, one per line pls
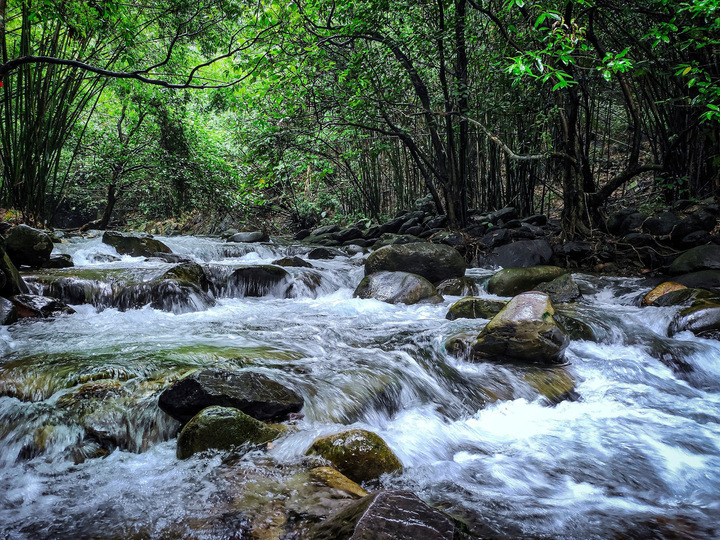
(474, 308)
(335, 479)
(358, 454)
(702, 319)
(135, 246)
(296, 262)
(397, 288)
(513, 281)
(224, 428)
(555, 384)
(561, 290)
(664, 288)
(190, 272)
(462, 286)
(683, 297)
(524, 330)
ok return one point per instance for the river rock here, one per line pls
(256, 280)
(387, 515)
(397, 288)
(293, 262)
(134, 245)
(8, 312)
(702, 319)
(474, 308)
(62, 260)
(512, 281)
(463, 286)
(358, 454)
(524, 330)
(190, 272)
(561, 290)
(521, 254)
(223, 428)
(661, 224)
(28, 246)
(697, 259)
(662, 289)
(34, 306)
(11, 283)
(336, 480)
(248, 237)
(683, 297)
(253, 393)
(322, 253)
(434, 262)
(171, 295)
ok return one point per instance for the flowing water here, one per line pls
(86, 453)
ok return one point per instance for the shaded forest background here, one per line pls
(303, 111)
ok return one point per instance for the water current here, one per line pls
(634, 454)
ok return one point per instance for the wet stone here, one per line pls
(134, 245)
(253, 393)
(397, 288)
(39, 307)
(434, 262)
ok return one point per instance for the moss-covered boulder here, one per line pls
(462, 286)
(190, 272)
(561, 290)
(387, 515)
(223, 428)
(293, 262)
(696, 259)
(253, 393)
(661, 290)
(512, 281)
(28, 246)
(397, 288)
(474, 308)
(524, 330)
(134, 245)
(434, 262)
(358, 454)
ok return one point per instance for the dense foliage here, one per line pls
(316, 106)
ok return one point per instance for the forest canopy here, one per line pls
(355, 108)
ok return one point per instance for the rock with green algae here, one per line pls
(524, 330)
(684, 297)
(358, 454)
(190, 272)
(224, 428)
(702, 318)
(513, 281)
(561, 290)
(28, 246)
(434, 262)
(474, 308)
(397, 288)
(134, 245)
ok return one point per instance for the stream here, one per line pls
(635, 453)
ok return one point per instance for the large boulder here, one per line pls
(697, 259)
(28, 246)
(524, 330)
(359, 454)
(702, 319)
(134, 245)
(256, 280)
(661, 290)
(520, 254)
(190, 272)
(512, 281)
(474, 308)
(397, 288)
(434, 262)
(704, 279)
(387, 515)
(253, 393)
(223, 428)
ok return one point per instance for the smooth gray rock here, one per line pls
(397, 288)
(434, 262)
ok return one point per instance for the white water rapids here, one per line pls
(636, 454)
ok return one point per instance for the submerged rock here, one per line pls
(39, 307)
(474, 308)
(359, 454)
(134, 245)
(167, 295)
(253, 393)
(434, 262)
(336, 480)
(512, 281)
(28, 246)
(387, 515)
(524, 330)
(223, 428)
(397, 288)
